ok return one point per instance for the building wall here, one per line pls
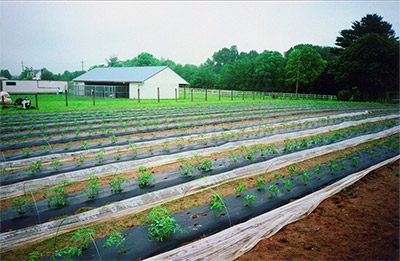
(167, 80)
(26, 86)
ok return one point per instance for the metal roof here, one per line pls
(120, 74)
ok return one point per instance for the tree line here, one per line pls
(362, 67)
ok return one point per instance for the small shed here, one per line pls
(128, 82)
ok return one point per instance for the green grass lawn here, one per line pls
(56, 103)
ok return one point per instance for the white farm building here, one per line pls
(129, 82)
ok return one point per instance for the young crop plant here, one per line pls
(217, 204)
(273, 191)
(116, 182)
(85, 146)
(118, 240)
(333, 167)
(113, 139)
(249, 200)
(186, 168)
(343, 165)
(161, 224)
(271, 149)
(92, 188)
(287, 184)
(82, 236)
(35, 167)
(206, 165)
(27, 152)
(55, 164)
(35, 255)
(100, 157)
(305, 177)
(56, 197)
(292, 170)
(18, 205)
(260, 184)
(145, 179)
(239, 189)
(355, 161)
(233, 156)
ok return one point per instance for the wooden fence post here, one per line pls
(253, 94)
(2, 102)
(66, 98)
(184, 92)
(191, 91)
(158, 94)
(93, 97)
(176, 95)
(231, 95)
(219, 94)
(205, 94)
(138, 95)
(242, 95)
(36, 102)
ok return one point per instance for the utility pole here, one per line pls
(297, 80)
(82, 62)
(22, 64)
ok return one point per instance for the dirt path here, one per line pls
(361, 222)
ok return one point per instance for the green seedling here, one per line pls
(333, 167)
(82, 236)
(186, 168)
(287, 184)
(233, 156)
(92, 188)
(116, 182)
(80, 160)
(100, 157)
(55, 164)
(355, 161)
(35, 167)
(18, 205)
(161, 224)
(118, 240)
(273, 191)
(85, 146)
(249, 200)
(32, 256)
(260, 184)
(56, 197)
(278, 176)
(145, 179)
(217, 204)
(113, 139)
(206, 165)
(239, 189)
(304, 177)
(292, 170)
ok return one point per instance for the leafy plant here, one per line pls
(56, 197)
(355, 161)
(233, 156)
(333, 167)
(186, 168)
(292, 170)
(273, 191)
(217, 204)
(287, 184)
(85, 146)
(260, 184)
(145, 179)
(18, 204)
(239, 189)
(83, 237)
(113, 139)
(80, 160)
(304, 177)
(206, 165)
(55, 164)
(118, 240)
(92, 188)
(248, 200)
(116, 182)
(99, 157)
(35, 167)
(161, 224)
(35, 255)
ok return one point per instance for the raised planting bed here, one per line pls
(222, 212)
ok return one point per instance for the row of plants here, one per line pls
(250, 200)
(194, 168)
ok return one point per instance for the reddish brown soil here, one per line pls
(360, 223)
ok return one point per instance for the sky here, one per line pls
(59, 35)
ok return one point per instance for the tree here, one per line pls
(269, 71)
(6, 74)
(26, 74)
(370, 63)
(371, 23)
(308, 63)
(225, 56)
(47, 75)
(239, 75)
(205, 77)
(324, 51)
(113, 61)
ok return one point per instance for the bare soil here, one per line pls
(359, 223)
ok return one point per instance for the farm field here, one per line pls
(138, 182)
